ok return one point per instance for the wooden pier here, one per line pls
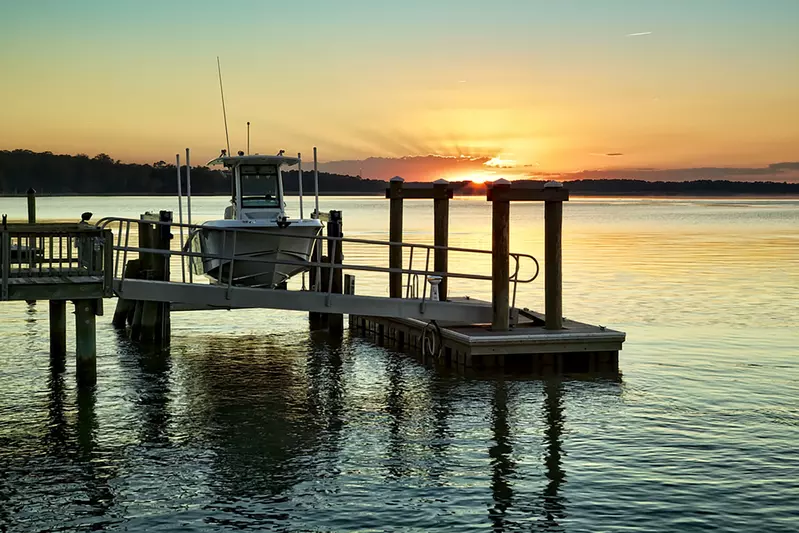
(82, 263)
(60, 263)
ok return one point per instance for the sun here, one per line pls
(476, 177)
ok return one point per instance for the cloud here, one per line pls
(412, 168)
(639, 34)
(785, 171)
(456, 167)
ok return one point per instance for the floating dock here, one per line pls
(528, 347)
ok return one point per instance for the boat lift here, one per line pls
(199, 294)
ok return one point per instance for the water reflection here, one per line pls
(552, 501)
(502, 464)
(250, 401)
(56, 438)
(396, 406)
(326, 376)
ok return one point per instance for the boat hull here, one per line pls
(258, 255)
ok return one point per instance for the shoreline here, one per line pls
(715, 195)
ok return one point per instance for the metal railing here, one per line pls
(122, 248)
(54, 251)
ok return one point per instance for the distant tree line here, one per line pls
(52, 174)
(680, 188)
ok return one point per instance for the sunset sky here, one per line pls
(540, 86)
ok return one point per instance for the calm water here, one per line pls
(252, 423)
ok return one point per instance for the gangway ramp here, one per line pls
(193, 296)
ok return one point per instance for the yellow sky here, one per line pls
(551, 88)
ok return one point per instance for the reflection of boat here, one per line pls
(255, 229)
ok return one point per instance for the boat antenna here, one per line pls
(248, 137)
(222, 92)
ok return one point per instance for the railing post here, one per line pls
(441, 196)
(395, 236)
(500, 248)
(553, 271)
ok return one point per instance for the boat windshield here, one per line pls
(259, 186)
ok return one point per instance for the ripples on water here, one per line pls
(253, 423)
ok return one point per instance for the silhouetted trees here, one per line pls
(49, 173)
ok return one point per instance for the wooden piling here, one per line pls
(86, 342)
(31, 205)
(441, 196)
(155, 316)
(553, 272)
(31, 242)
(500, 263)
(163, 333)
(395, 236)
(125, 308)
(58, 333)
(318, 321)
(335, 321)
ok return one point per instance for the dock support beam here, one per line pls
(500, 262)
(86, 342)
(58, 333)
(553, 271)
(441, 196)
(335, 323)
(395, 236)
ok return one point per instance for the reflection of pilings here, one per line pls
(395, 406)
(502, 466)
(97, 475)
(553, 502)
(57, 428)
(153, 390)
(326, 390)
(441, 399)
(253, 405)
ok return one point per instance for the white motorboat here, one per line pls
(256, 238)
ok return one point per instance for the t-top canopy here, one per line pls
(232, 161)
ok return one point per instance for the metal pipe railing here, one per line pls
(334, 242)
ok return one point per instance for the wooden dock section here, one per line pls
(528, 347)
(60, 263)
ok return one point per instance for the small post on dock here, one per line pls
(86, 341)
(58, 333)
(500, 262)
(395, 236)
(31, 206)
(441, 195)
(553, 260)
(335, 322)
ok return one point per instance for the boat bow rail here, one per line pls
(226, 294)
